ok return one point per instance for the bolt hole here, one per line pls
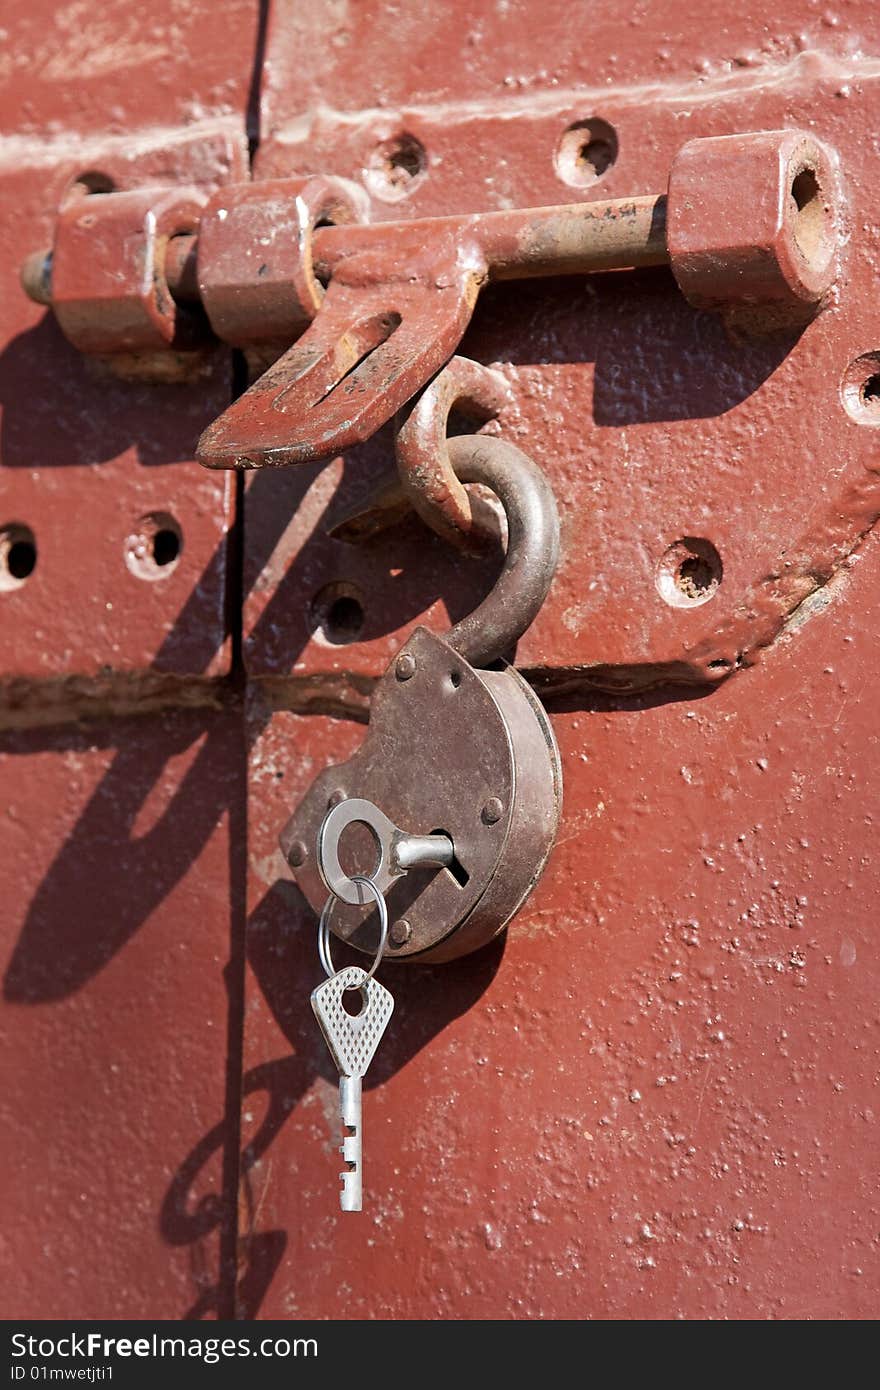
(345, 618)
(396, 166)
(689, 573)
(21, 559)
(407, 160)
(90, 182)
(166, 547)
(18, 555)
(809, 213)
(871, 392)
(597, 155)
(353, 1002)
(860, 389)
(695, 578)
(804, 188)
(587, 150)
(154, 546)
(337, 613)
(455, 679)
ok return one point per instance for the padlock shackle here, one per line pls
(495, 626)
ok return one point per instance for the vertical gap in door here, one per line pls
(229, 1239)
(255, 91)
(238, 816)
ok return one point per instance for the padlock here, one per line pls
(462, 755)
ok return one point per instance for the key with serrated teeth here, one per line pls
(352, 1040)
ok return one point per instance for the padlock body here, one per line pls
(455, 750)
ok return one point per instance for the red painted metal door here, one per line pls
(656, 1095)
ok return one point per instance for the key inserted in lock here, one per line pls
(398, 851)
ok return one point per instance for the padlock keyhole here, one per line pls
(455, 866)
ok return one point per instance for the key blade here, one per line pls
(351, 1198)
(351, 1148)
(352, 1040)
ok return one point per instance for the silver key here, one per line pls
(352, 1040)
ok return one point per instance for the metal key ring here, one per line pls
(324, 928)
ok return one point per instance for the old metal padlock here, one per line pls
(454, 750)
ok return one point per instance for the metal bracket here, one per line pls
(402, 294)
(373, 344)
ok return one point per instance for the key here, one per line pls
(352, 1040)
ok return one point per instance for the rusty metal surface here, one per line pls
(523, 243)
(656, 1097)
(120, 917)
(467, 115)
(642, 409)
(93, 467)
(71, 72)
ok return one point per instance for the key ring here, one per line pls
(324, 928)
